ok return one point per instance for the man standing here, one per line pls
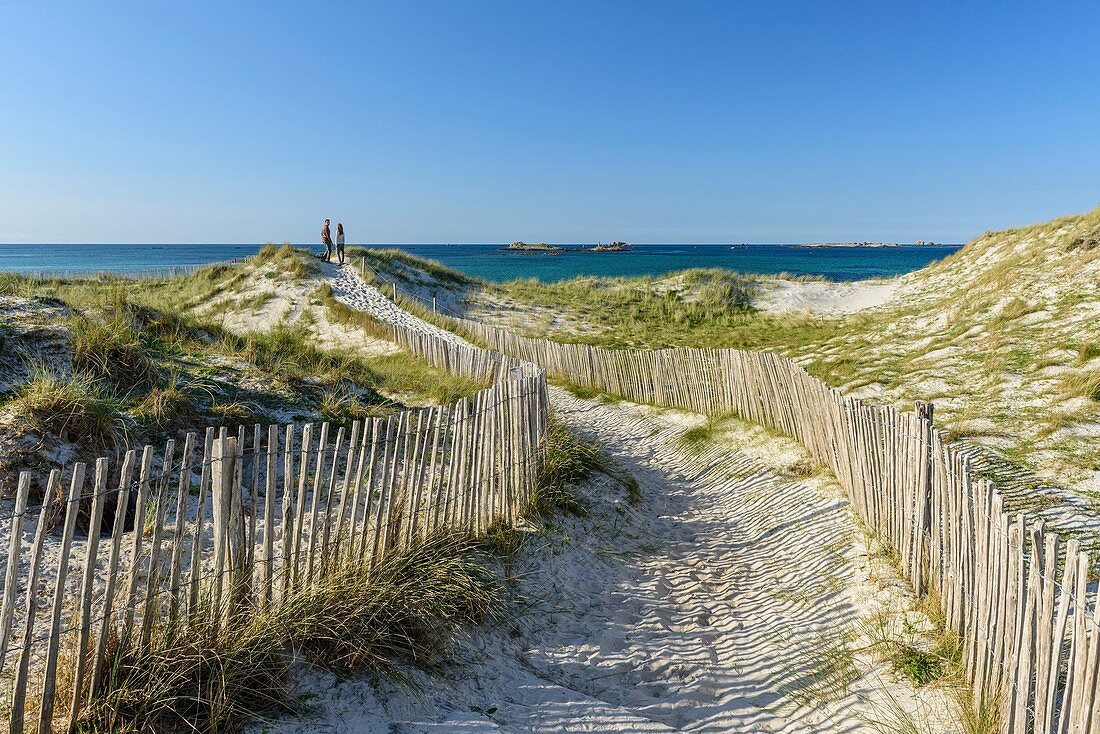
(326, 240)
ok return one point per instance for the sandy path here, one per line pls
(714, 605)
(724, 601)
(349, 288)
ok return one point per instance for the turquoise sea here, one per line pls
(486, 261)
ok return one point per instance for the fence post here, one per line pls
(434, 309)
(395, 291)
(222, 459)
(923, 530)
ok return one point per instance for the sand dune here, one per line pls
(738, 595)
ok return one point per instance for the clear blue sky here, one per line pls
(556, 121)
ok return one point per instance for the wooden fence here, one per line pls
(114, 556)
(1021, 600)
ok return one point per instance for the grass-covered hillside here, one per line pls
(1004, 337)
(89, 367)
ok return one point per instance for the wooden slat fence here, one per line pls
(1023, 601)
(235, 520)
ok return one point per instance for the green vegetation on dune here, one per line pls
(690, 307)
(284, 262)
(76, 408)
(388, 619)
(401, 264)
(1003, 335)
(140, 360)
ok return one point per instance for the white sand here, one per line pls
(821, 297)
(717, 604)
(288, 303)
(723, 602)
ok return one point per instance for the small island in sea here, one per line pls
(918, 243)
(616, 246)
(527, 247)
(542, 247)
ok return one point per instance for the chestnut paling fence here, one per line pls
(1019, 598)
(119, 557)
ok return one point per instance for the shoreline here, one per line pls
(488, 262)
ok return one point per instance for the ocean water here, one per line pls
(489, 263)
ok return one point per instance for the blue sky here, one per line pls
(556, 121)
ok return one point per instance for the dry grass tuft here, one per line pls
(77, 408)
(166, 406)
(214, 677)
(566, 461)
(110, 347)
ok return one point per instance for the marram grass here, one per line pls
(214, 677)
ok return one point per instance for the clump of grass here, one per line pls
(341, 406)
(1011, 311)
(919, 666)
(234, 411)
(77, 408)
(803, 467)
(726, 291)
(404, 373)
(14, 284)
(165, 406)
(698, 438)
(580, 391)
(401, 613)
(215, 676)
(980, 716)
(503, 541)
(1084, 384)
(256, 301)
(566, 460)
(634, 494)
(1087, 351)
(391, 260)
(824, 671)
(292, 263)
(893, 639)
(110, 347)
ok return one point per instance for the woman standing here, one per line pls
(340, 242)
(326, 240)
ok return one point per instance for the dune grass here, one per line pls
(567, 459)
(342, 406)
(394, 262)
(691, 307)
(111, 347)
(1002, 335)
(75, 408)
(398, 616)
(164, 407)
(149, 363)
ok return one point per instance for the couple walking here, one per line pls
(326, 240)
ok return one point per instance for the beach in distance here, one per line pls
(487, 262)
